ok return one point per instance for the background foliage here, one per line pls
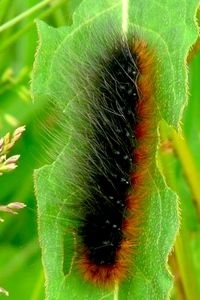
(20, 259)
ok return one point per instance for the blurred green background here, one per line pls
(20, 258)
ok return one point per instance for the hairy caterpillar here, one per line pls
(119, 152)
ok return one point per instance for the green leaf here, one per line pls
(175, 32)
(170, 30)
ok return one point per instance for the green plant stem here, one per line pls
(24, 15)
(186, 268)
(29, 25)
(178, 293)
(188, 164)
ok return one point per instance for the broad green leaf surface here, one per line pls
(170, 30)
(174, 24)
